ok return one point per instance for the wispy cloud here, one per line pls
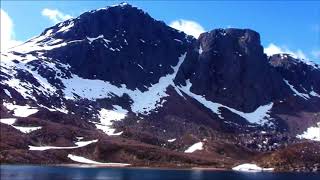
(189, 27)
(7, 32)
(55, 15)
(274, 49)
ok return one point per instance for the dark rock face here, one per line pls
(304, 77)
(233, 70)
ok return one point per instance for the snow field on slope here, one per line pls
(259, 116)
(194, 147)
(78, 145)
(107, 117)
(84, 160)
(312, 133)
(11, 121)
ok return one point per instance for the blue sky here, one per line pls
(286, 26)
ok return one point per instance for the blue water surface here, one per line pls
(27, 172)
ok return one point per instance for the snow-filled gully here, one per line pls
(259, 116)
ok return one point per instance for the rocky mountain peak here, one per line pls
(301, 75)
(228, 37)
(106, 21)
(119, 39)
(287, 60)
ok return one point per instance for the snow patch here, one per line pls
(7, 93)
(259, 116)
(313, 93)
(98, 37)
(200, 50)
(296, 92)
(125, 41)
(172, 140)
(88, 88)
(11, 121)
(144, 102)
(108, 116)
(36, 45)
(142, 40)
(140, 66)
(8, 121)
(63, 109)
(84, 160)
(77, 87)
(250, 168)
(85, 143)
(178, 40)
(27, 129)
(179, 92)
(312, 133)
(214, 107)
(79, 144)
(67, 27)
(26, 89)
(195, 147)
(79, 138)
(20, 111)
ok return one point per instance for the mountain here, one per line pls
(116, 85)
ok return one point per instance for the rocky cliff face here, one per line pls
(304, 77)
(232, 69)
(115, 85)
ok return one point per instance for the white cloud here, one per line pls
(189, 27)
(274, 49)
(55, 15)
(7, 33)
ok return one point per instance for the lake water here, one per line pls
(22, 172)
